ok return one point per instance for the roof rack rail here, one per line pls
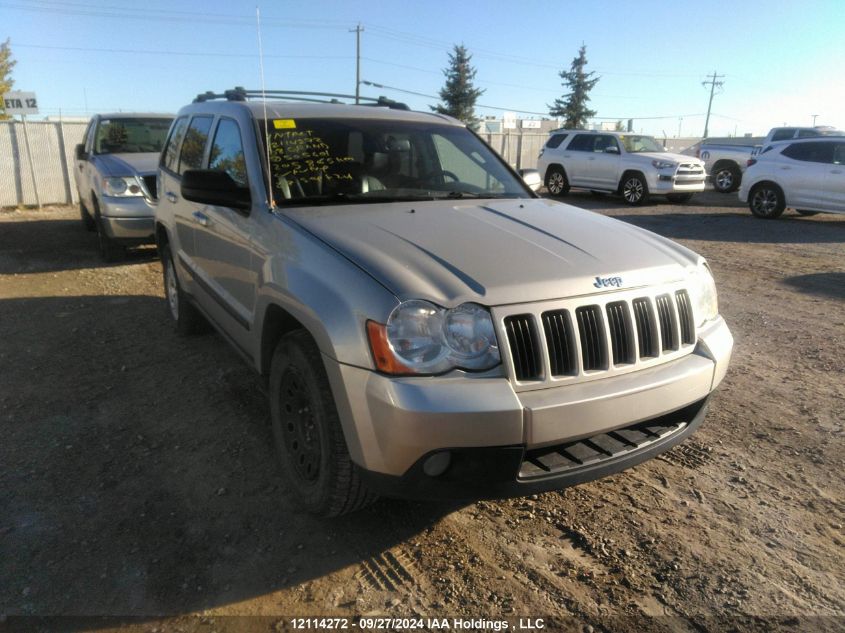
(241, 94)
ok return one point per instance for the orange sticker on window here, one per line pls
(284, 124)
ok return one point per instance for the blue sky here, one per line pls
(781, 60)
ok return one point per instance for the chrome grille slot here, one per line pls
(685, 317)
(621, 333)
(666, 316)
(524, 348)
(646, 328)
(560, 340)
(150, 182)
(591, 332)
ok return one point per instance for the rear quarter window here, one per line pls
(170, 155)
(555, 140)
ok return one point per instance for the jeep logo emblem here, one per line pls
(606, 282)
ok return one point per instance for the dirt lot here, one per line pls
(137, 476)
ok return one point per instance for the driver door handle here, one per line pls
(171, 196)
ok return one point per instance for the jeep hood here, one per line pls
(493, 252)
(128, 164)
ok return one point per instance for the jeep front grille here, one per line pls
(615, 333)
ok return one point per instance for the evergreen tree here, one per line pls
(572, 107)
(6, 65)
(458, 95)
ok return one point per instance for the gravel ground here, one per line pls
(137, 476)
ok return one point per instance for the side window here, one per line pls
(227, 151)
(555, 140)
(170, 155)
(193, 147)
(839, 154)
(808, 133)
(784, 134)
(582, 143)
(810, 152)
(603, 142)
(88, 139)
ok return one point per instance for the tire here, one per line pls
(186, 318)
(110, 251)
(87, 220)
(807, 213)
(634, 189)
(679, 198)
(766, 201)
(557, 183)
(309, 440)
(726, 179)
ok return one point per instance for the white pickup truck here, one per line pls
(725, 159)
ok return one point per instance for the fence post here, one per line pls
(31, 165)
(68, 186)
(519, 152)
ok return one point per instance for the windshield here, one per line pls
(341, 161)
(128, 136)
(636, 144)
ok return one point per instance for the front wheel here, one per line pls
(634, 189)
(110, 250)
(87, 221)
(557, 182)
(766, 201)
(726, 179)
(309, 440)
(679, 198)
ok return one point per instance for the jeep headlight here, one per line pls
(705, 303)
(422, 338)
(122, 187)
(663, 164)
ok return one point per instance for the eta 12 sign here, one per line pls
(20, 103)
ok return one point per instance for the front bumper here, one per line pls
(127, 219)
(392, 425)
(667, 183)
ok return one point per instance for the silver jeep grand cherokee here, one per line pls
(426, 325)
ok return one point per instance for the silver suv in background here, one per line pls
(632, 165)
(116, 178)
(425, 324)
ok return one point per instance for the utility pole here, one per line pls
(713, 82)
(357, 30)
(814, 119)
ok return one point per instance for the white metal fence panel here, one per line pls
(51, 143)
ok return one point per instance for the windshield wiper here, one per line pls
(456, 195)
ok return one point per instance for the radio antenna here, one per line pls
(270, 200)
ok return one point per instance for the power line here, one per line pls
(136, 51)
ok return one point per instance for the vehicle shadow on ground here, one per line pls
(138, 476)
(831, 285)
(587, 200)
(60, 245)
(729, 227)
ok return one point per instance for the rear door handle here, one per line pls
(171, 196)
(201, 218)
(835, 171)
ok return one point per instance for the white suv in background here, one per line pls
(633, 165)
(807, 175)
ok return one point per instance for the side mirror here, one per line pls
(79, 152)
(212, 186)
(532, 178)
(611, 149)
